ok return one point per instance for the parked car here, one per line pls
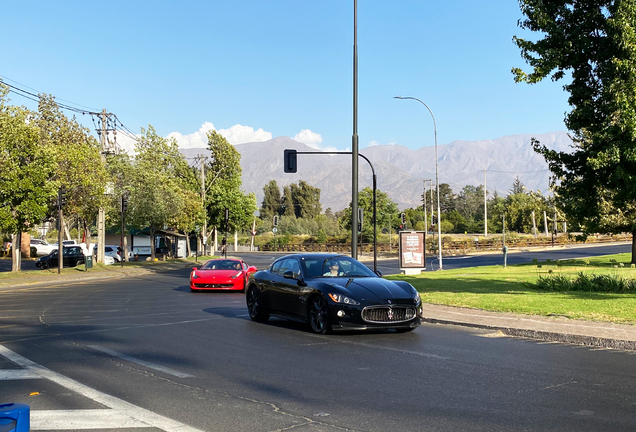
(42, 246)
(72, 256)
(110, 251)
(221, 274)
(332, 292)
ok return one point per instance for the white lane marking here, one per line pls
(83, 419)
(154, 420)
(140, 362)
(17, 374)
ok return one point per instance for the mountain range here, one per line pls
(400, 170)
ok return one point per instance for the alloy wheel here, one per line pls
(319, 315)
(254, 307)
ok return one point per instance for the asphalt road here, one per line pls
(147, 350)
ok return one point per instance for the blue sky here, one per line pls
(261, 69)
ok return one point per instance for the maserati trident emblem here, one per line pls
(390, 314)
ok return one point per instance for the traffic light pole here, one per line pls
(291, 166)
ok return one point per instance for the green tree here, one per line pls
(306, 200)
(26, 190)
(223, 187)
(272, 201)
(288, 202)
(155, 198)
(594, 42)
(387, 212)
(81, 171)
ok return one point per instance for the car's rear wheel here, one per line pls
(80, 262)
(254, 307)
(45, 265)
(319, 315)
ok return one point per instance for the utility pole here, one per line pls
(60, 244)
(105, 148)
(545, 222)
(534, 225)
(424, 201)
(101, 215)
(485, 206)
(204, 232)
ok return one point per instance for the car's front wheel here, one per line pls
(45, 265)
(254, 307)
(319, 315)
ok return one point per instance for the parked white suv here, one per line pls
(110, 251)
(42, 246)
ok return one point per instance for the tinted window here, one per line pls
(276, 267)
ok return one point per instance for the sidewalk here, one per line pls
(553, 329)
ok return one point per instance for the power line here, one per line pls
(112, 120)
(4, 77)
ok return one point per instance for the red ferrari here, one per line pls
(221, 274)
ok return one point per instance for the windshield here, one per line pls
(222, 265)
(336, 266)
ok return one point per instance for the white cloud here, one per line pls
(374, 143)
(197, 139)
(239, 134)
(312, 139)
(125, 142)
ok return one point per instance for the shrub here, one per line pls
(590, 283)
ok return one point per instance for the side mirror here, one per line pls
(379, 273)
(289, 275)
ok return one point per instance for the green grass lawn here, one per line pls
(513, 289)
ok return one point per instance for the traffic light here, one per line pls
(434, 220)
(403, 218)
(275, 221)
(61, 197)
(289, 159)
(124, 204)
(227, 218)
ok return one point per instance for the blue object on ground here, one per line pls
(14, 417)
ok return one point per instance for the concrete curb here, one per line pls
(591, 341)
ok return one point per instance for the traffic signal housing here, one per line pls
(124, 204)
(290, 157)
(275, 221)
(61, 197)
(403, 218)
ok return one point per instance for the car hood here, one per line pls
(372, 288)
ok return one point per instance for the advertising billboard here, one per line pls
(412, 250)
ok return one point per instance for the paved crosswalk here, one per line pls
(119, 413)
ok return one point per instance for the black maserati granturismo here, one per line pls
(332, 292)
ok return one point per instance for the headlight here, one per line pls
(194, 275)
(417, 298)
(339, 298)
(236, 275)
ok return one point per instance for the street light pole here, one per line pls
(354, 140)
(439, 214)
